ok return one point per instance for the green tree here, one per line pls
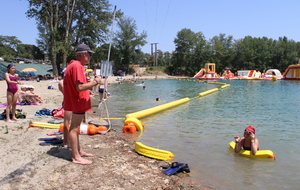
(8, 46)
(191, 53)
(222, 51)
(128, 42)
(185, 47)
(64, 24)
(29, 51)
(202, 53)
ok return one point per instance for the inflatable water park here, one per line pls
(207, 73)
(271, 74)
(292, 72)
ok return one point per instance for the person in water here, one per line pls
(12, 81)
(248, 142)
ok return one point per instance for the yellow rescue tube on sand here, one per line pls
(150, 111)
(45, 125)
(208, 92)
(153, 152)
(138, 124)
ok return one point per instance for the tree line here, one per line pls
(192, 51)
(64, 24)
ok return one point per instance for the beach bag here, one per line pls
(59, 112)
(18, 114)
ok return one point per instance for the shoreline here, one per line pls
(27, 165)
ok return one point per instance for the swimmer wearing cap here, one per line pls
(248, 142)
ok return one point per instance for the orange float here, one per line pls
(130, 128)
(101, 128)
(61, 127)
(87, 129)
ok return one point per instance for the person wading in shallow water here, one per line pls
(248, 142)
(77, 99)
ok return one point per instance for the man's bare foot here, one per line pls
(81, 161)
(84, 154)
(9, 121)
(15, 119)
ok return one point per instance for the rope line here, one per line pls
(165, 20)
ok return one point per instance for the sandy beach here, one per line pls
(27, 165)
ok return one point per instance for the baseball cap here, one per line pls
(84, 47)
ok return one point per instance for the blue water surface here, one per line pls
(198, 132)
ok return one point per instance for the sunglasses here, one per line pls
(248, 132)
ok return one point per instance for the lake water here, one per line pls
(198, 132)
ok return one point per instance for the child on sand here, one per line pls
(35, 98)
(11, 79)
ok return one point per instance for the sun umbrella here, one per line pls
(89, 70)
(29, 70)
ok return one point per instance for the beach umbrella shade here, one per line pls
(29, 70)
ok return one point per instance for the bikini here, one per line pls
(13, 88)
(247, 148)
(101, 90)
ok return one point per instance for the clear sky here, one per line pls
(162, 19)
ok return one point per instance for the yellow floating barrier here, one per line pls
(208, 92)
(138, 124)
(153, 152)
(217, 83)
(150, 111)
(225, 86)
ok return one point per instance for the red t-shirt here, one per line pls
(77, 102)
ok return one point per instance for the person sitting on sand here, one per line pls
(35, 98)
(22, 99)
(26, 96)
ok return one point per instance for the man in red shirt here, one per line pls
(77, 98)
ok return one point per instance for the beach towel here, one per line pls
(18, 104)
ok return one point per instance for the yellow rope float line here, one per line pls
(208, 92)
(150, 111)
